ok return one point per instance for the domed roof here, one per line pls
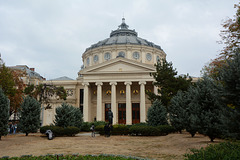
(123, 35)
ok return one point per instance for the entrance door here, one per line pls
(107, 107)
(122, 113)
(135, 113)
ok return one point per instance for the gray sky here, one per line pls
(52, 35)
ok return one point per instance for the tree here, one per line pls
(157, 114)
(177, 110)
(231, 38)
(193, 109)
(4, 114)
(207, 108)
(44, 92)
(29, 121)
(67, 115)
(230, 77)
(12, 86)
(167, 82)
(6, 81)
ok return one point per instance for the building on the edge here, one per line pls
(115, 74)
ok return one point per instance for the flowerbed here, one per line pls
(73, 157)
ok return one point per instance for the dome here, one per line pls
(123, 35)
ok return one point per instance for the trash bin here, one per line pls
(49, 133)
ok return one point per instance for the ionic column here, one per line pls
(99, 101)
(128, 103)
(85, 103)
(114, 101)
(142, 101)
(155, 90)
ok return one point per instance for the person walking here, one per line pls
(93, 130)
(15, 128)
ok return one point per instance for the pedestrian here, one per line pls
(10, 127)
(93, 130)
(15, 128)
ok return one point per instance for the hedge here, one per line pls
(87, 125)
(145, 130)
(60, 131)
(138, 130)
(118, 129)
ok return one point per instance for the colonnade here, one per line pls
(100, 109)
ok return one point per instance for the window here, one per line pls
(95, 58)
(149, 57)
(88, 61)
(107, 56)
(136, 55)
(158, 58)
(121, 54)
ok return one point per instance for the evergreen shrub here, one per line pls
(4, 114)
(87, 125)
(67, 115)
(144, 130)
(225, 150)
(29, 121)
(60, 131)
(157, 114)
(100, 129)
(119, 129)
(166, 129)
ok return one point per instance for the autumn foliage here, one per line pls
(230, 36)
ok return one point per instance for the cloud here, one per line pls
(51, 36)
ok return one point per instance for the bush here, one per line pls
(67, 115)
(87, 125)
(166, 129)
(141, 130)
(116, 130)
(144, 130)
(29, 121)
(100, 129)
(157, 114)
(226, 150)
(120, 130)
(60, 131)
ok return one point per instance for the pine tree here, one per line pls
(192, 119)
(67, 115)
(167, 82)
(29, 115)
(230, 77)
(157, 114)
(4, 114)
(207, 105)
(177, 110)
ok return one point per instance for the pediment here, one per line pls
(120, 65)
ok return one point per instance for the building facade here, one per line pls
(115, 75)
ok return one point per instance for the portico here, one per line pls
(126, 98)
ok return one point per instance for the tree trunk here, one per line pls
(0, 138)
(26, 134)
